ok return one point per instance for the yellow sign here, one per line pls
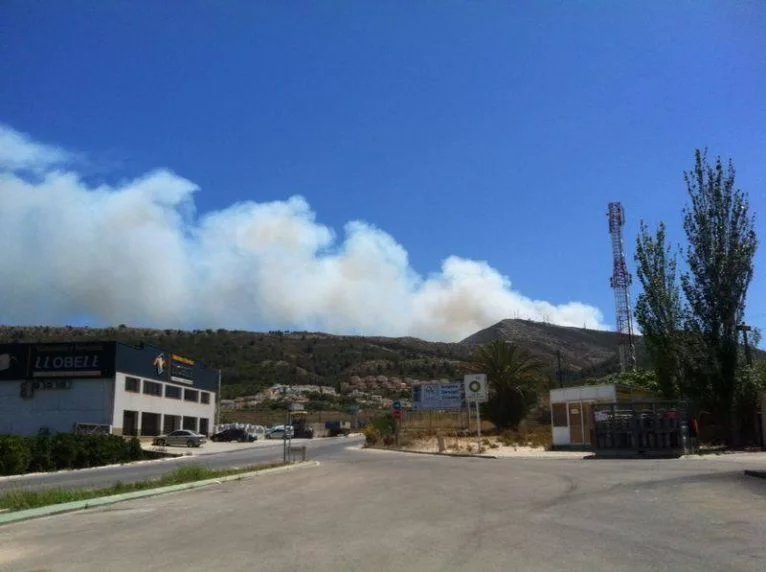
(183, 360)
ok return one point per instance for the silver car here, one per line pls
(180, 438)
(280, 432)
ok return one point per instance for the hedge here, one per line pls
(19, 455)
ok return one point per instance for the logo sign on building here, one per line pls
(69, 360)
(181, 369)
(160, 363)
(437, 396)
(13, 362)
(476, 388)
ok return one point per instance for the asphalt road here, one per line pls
(106, 476)
(380, 511)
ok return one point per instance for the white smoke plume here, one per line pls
(139, 253)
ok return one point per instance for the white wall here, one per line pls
(86, 401)
(126, 400)
(584, 393)
(561, 436)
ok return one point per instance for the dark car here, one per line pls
(232, 435)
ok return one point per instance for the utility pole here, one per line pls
(744, 328)
(218, 405)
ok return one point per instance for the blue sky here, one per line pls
(488, 131)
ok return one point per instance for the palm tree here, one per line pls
(514, 376)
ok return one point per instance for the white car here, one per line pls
(257, 432)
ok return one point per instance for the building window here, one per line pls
(559, 415)
(172, 392)
(205, 397)
(133, 384)
(151, 388)
(191, 395)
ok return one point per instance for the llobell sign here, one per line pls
(70, 360)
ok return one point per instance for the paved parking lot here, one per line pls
(362, 510)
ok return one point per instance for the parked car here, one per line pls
(280, 432)
(180, 438)
(257, 432)
(301, 427)
(337, 428)
(232, 434)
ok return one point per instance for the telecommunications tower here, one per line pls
(620, 282)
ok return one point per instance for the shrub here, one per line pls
(40, 449)
(68, 451)
(20, 455)
(371, 434)
(135, 452)
(14, 455)
(508, 408)
(385, 425)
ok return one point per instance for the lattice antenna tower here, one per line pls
(620, 282)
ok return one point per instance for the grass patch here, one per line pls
(20, 499)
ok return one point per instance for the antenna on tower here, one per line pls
(620, 282)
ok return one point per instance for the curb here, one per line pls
(757, 474)
(465, 455)
(10, 517)
(630, 456)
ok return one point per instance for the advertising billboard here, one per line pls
(181, 369)
(437, 396)
(71, 360)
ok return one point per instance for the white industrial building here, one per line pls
(124, 389)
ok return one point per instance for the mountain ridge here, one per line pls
(251, 361)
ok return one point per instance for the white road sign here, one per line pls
(476, 388)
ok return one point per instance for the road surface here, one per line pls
(106, 476)
(366, 510)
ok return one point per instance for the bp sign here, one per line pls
(475, 386)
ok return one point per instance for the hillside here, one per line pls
(251, 361)
(583, 352)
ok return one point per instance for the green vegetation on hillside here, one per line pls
(252, 361)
